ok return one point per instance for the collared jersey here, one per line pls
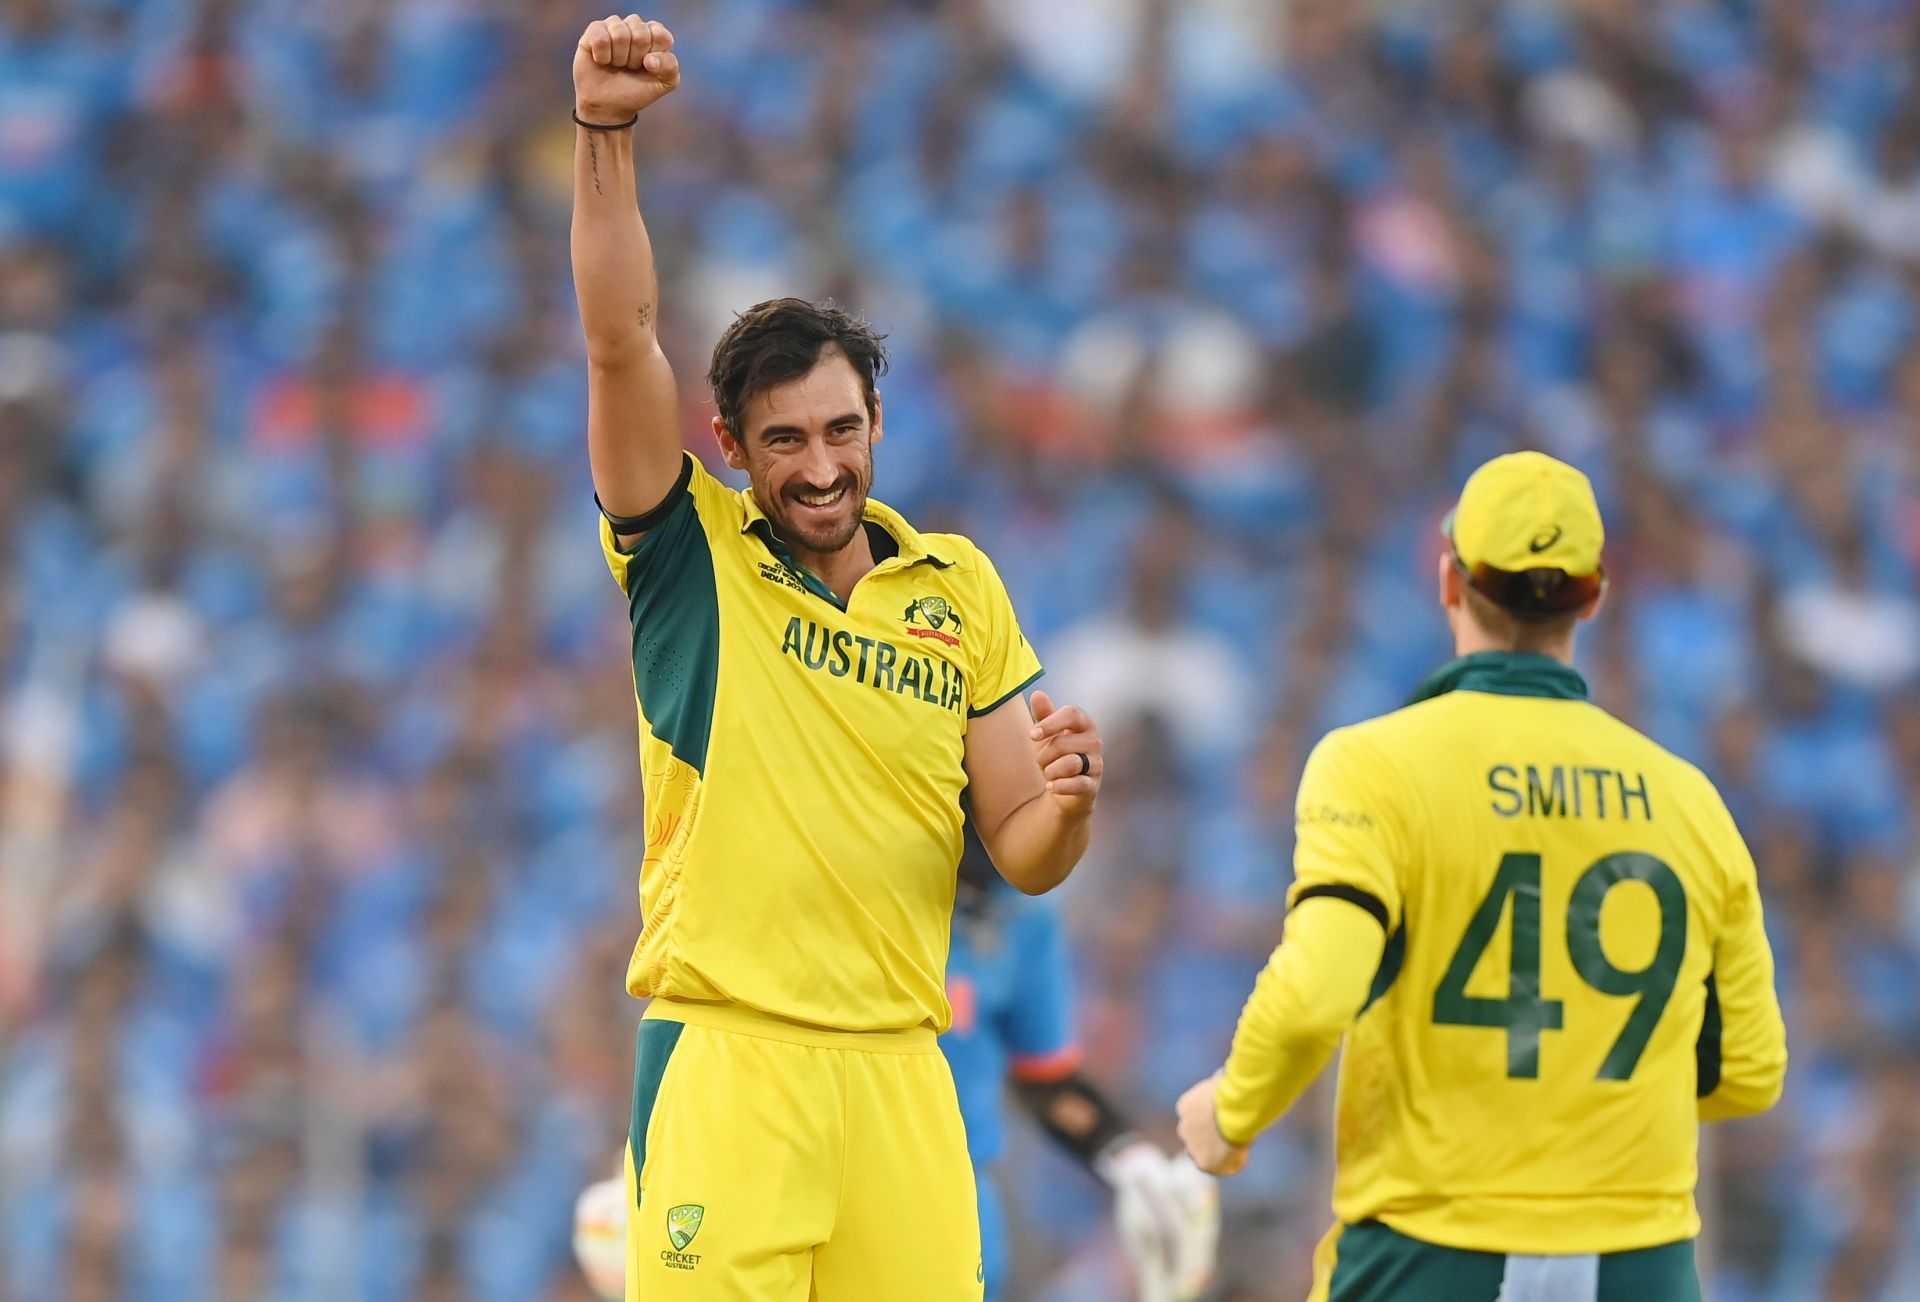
(802, 760)
(1575, 971)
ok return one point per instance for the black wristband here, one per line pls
(1074, 1114)
(603, 126)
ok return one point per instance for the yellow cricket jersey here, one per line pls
(1573, 974)
(802, 761)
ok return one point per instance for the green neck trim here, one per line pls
(1504, 673)
(781, 552)
(885, 544)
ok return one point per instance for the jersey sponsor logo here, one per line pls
(1333, 816)
(874, 662)
(683, 1222)
(1567, 791)
(933, 617)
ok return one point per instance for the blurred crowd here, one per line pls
(318, 816)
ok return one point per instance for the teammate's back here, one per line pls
(1570, 909)
(1552, 933)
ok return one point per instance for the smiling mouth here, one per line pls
(822, 501)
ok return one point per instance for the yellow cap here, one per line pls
(1527, 511)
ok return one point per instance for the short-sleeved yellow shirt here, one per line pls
(1570, 911)
(803, 760)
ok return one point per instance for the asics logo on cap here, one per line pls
(1544, 539)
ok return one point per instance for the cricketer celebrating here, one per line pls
(818, 684)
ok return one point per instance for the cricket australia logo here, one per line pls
(933, 617)
(683, 1222)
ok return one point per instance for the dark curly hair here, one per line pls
(782, 339)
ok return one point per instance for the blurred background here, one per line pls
(317, 790)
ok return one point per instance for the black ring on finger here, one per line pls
(1086, 763)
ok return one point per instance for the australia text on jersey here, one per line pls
(876, 662)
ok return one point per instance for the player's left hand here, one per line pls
(1200, 1131)
(1168, 1215)
(1062, 735)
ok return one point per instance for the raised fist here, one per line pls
(621, 66)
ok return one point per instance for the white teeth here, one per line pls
(823, 499)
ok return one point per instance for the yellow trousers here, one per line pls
(770, 1162)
